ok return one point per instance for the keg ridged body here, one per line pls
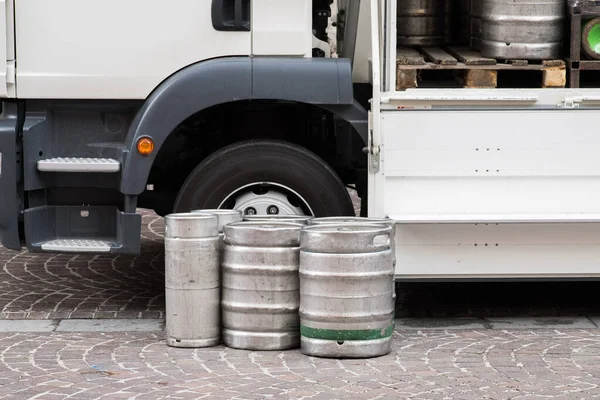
(346, 290)
(261, 286)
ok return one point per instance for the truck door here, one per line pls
(7, 48)
(115, 49)
(282, 28)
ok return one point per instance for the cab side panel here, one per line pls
(113, 49)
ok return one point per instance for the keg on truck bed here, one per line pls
(475, 24)
(261, 294)
(522, 29)
(463, 20)
(424, 22)
(346, 290)
(192, 293)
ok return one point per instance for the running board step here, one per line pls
(59, 164)
(82, 229)
(77, 246)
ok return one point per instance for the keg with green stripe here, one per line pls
(360, 220)
(346, 290)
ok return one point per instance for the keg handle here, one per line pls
(382, 240)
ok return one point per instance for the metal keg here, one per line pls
(346, 290)
(522, 29)
(192, 281)
(261, 286)
(475, 24)
(424, 22)
(360, 220)
(300, 219)
(225, 217)
(463, 20)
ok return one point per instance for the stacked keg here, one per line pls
(522, 29)
(325, 285)
(424, 22)
(475, 24)
(501, 29)
(463, 17)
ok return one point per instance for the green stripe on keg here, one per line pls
(337, 334)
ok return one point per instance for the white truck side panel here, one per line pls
(113, 49)
(282, 27)
(491, 162)
(509, 175)
(498, 251)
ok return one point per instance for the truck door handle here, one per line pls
(231, 15)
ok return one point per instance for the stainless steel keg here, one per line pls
(360, 220)
(192, 293)
(475, 24)
(522, 29)
(300, 219)
(424, 22)
(346, 290)
(463, 20)
(261, 286)
(225, 217)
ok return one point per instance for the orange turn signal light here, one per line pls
(145, 146)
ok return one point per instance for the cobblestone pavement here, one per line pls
(432, 364)
(87, 327)
(57, 286)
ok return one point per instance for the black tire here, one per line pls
(244, 163)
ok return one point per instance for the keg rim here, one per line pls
(380, 228)
(190, 215)
(350, 220)
(266, 224)
(276, 217)
(218, 211)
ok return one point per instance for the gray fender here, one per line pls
(326, 83)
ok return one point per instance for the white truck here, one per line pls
(117, 105)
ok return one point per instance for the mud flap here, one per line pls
(9, 165)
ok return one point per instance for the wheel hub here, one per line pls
(267, 198)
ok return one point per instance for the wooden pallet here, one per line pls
(470, 68)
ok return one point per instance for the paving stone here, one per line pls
(109, 325)
(27, 326)
(541, 323)
(440, 323)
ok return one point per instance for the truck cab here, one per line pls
(109, 107)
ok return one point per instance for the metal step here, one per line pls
(59, 164)
(77, 246)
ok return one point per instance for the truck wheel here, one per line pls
(265, 177)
